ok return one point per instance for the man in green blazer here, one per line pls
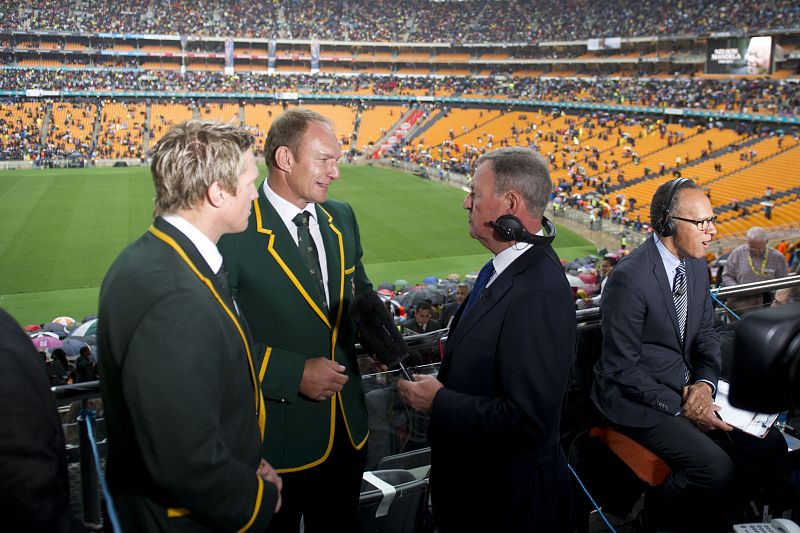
(184, 412)
(297, 301)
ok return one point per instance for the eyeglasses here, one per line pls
(702, 224)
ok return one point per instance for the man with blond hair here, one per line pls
(184, 411)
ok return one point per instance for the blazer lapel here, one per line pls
(463, 323)
(283, 250)
(665, 286)
(334, 257)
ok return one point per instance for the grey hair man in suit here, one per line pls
(495, 405)
(657, 376)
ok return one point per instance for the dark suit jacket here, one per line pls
(639, 376)
(496, 460)
(412, 325)
(448, 312)
(279, 297)
(180, 396)
(34, 490)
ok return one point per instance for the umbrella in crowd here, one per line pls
(87, 328)
(72, 345)
(575, 281)
(66, 321)
(30, 328)
(45, 341)
(422, 293)
(54, 327)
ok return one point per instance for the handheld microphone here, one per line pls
(377, 332)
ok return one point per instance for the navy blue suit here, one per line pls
(496, 460)
(638, 382)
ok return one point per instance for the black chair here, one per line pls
(406, 461)
(397, 506)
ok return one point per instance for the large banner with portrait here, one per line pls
(748, 55)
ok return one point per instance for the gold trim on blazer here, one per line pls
(259, 398)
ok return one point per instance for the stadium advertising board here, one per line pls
(748, 55)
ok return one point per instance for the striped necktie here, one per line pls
(680, 297)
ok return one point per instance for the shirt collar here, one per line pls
(669, 261)
(287, 210)
(504, 259)
(204, 245)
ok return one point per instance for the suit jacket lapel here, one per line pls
(283, 250)
(665, 286)
(462, 323)
(334, 257)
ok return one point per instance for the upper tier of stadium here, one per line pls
(467, 21)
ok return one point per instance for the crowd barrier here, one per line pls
(398, 434)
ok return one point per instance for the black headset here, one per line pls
(509, 228)
(665, 226)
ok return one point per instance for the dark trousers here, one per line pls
(711, 472)
(326, 495)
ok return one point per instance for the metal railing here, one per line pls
(400, 429)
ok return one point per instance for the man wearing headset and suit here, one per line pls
(495, 404)
(294, 272)
(657, 375)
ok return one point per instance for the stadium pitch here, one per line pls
(63, 228)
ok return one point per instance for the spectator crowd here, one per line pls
(359, 20)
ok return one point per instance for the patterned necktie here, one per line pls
(308, 251)
(480, 283)
(680, 297)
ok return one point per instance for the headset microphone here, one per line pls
(510, 228)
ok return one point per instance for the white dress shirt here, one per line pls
(204, 245)
(287, 211)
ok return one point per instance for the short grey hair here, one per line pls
(524, 171)
(757, 233)
(191, 157)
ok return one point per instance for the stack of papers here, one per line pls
(748, 421)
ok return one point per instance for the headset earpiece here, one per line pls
(509, 228)
(666, 227)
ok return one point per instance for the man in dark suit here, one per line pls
(658, 372)
(295, 271)
(496, 460)
(34, 489)
(449, 309)
(184, 413)
(422, 321)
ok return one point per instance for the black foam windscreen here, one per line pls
(376, 329)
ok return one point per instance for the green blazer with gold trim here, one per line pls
(277, 295)
(181, 398)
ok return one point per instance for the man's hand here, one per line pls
(322, 378)
(419, 393)
(268, 474)
(699, 407)
(696, 398)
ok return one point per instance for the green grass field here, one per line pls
(61, 229)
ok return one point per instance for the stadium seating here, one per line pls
(375, 122)
(121, 129)
(72, 127)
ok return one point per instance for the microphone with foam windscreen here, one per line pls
(377, 332)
